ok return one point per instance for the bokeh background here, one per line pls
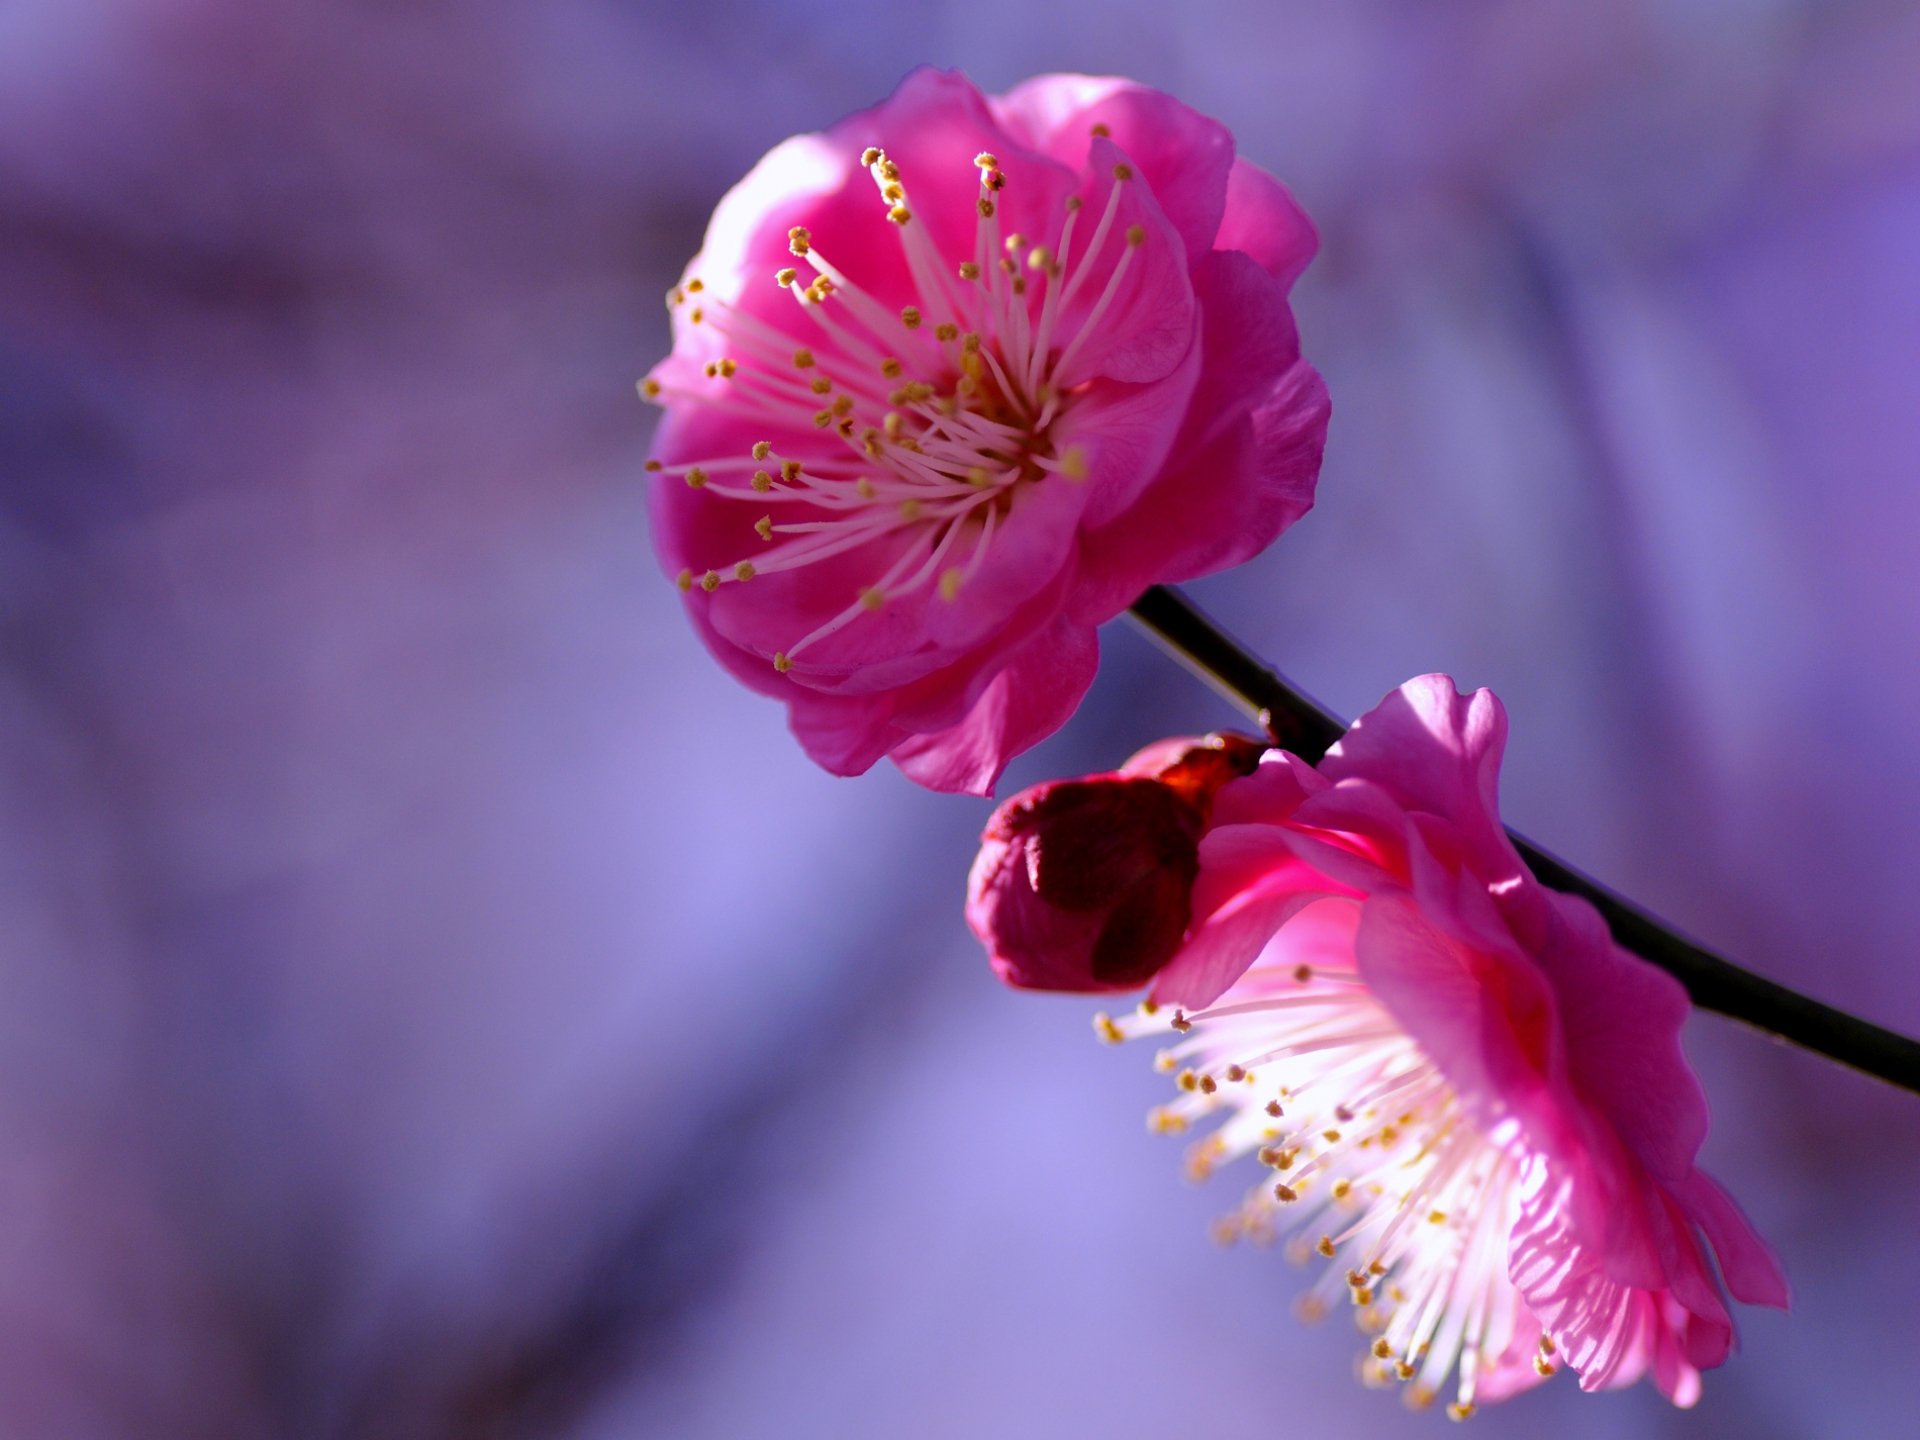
(434, 1002)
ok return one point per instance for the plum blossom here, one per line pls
(1470, 1100)
(952, 383)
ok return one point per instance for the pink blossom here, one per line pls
(1084, 884)
(953, 382)
(1472, 1101)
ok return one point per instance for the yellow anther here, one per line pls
(1363, 1295)
(873, 597)
(987, 160)
(696, 477)
(785, 276)
(1104, 1027)
(653, 467)
(970, 343)
(1015, 243)
(1187, 1080)
(1039, 258)
(696, 285)
(743, 571)
(1136, 235)
(1402, 1370)
(820, 384)
(1123, 171)
(1542, 1366)
(822, 418)
(979, 478)
(781, 662)
(889, 170)
(712, 368)
(1375, 1267)
(710, 581)
(1332, 1137)
(1342, 1188)
(910, 316)
(1073, 464)
(674, 297)
(1460, 1410)
(890, 368)
(969, 270)
(842, 405)
(863, 487)
(994, 180)
(684, 580)
(946, 330)
(871, 155)
(1163, 1121)
(1326, 1247)
(763, 527)
(1149, 1008)
(1437, 1217)
(696, 315)
(899, 215)
(892, 192)
(985, 207)
(799, 239)
(1269, 1155)
(649, 389)
(1547, 1346)
(950, 582)
(803, 359)
(891, 423)
(909, 509)
(762, 449)
(789, 470)
(762, 481)
(726, 366)
(1164, 1061)
(1382, 1350)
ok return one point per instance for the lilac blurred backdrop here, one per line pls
(436, 1003)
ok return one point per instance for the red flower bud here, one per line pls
(1086, 884)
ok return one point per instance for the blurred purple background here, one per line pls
(434, 1002)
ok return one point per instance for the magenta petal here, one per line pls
(1751, 1270)
(1437, 751)
(1185, 156)
(1221, 947)
(1622, 1019)
(843, 734)
(1026, 702)
(1264, 220)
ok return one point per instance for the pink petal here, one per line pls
(1026, 702)
(1750, 1269)
(1264, 220)
(1185, 156)
(1438, 751)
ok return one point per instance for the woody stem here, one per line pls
(1298, 724)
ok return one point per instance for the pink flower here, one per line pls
(1472, 1100)
(1083, 884)
(952, 383)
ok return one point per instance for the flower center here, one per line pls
(1377, 1167)
(912, 431)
